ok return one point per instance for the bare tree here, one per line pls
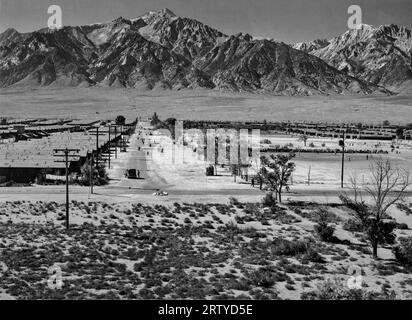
(276, 172)
(256, 166)
(304, 138)
(386, 187)
(355, 186)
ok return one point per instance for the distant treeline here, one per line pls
(237, 125)
(279, 126)
(296, 150)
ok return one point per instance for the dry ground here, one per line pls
(185, 251)
(120, 248)
(88, 103)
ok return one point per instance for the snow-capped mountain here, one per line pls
(161, 50)
(380, 55)
(311, 45)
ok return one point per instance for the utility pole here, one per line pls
(110, 144)
(97, 148)
(342, 144)
(97, 133)
(91, 173)
(115, 143)
(115, 138)
(66, 153)
(122, 136)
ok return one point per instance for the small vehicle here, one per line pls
(130, 174)
(160, 194)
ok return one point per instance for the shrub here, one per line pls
(99, 175)
(403, 251)
(312, 256)
(187, 220)
(233, 201)
(285, 247)
(262, 278)
(402, 226)
(325, 231)
(404, 208)
(336, 289)
(239, 220)
(269, 200)
(353, 225)
(266, 277)
(120, 120)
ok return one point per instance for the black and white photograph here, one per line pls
(224, 151)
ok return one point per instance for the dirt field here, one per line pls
(325, 168)
(212, 105)
(186, 251)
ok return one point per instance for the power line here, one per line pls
(342, 144)
(66, 154)
(100, 132)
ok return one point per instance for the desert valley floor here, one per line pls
(100, 102)
(210, 237)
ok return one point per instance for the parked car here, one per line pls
(130, 174)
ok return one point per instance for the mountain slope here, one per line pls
(187, 37)
(160, 50)
(311, 45)
(381, 55)
(241, 63)
(130, 60)
(43, 58)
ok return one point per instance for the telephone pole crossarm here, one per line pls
(66, 154)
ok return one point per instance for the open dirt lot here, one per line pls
(212, 105)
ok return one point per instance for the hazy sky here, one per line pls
(284, 20)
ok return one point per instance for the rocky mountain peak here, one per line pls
(311, 45)
(9, 31)
(381, 55)
(167, 12)
(243, 36)
(163, 14)
(160, 50)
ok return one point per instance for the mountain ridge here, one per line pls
(380, 55)
(160, 50)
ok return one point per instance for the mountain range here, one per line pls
(382, 56)
(159, 50)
